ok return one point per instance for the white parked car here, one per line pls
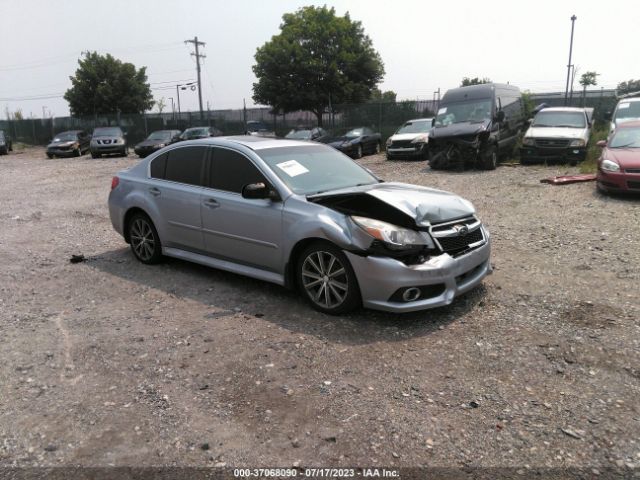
(410, 140)
(627, 110)
(558, 134)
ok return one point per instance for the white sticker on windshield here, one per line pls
(442, 110)
(623, 105)
(292, 168)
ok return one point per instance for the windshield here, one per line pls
(65, 137)
(470, 111)
(353, 133)
(299, 135)
(422, 126)
(628, 110)
(160, 135)
(195, 132)
(559, 119)
(256, 126)
(626, 138)
(315, 168)
(107, 132)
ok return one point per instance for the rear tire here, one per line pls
(144, 239)
(326, 279)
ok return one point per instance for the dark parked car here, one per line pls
(73, 143)
(475, 125)
(356, 142)
(156, 141)
(6, 145)
(108, 140)
(259, 129)
(619, 162)
(194, 133)
(316, 134)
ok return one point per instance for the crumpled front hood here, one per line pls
(424, 206)
(556, 132)
(460, 129)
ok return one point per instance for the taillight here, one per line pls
(114, 182)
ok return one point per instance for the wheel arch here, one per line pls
(290, 280)
(127, 218)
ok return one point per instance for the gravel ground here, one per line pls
(110, 362)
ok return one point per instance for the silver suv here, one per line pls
(108, 140)
(301, 215)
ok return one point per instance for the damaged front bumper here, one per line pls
(440, 279)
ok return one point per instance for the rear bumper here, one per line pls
(441, 278)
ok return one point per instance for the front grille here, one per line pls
(634, 185)
(552, 142)
(461, 242)
(446, 226)
(401, 144)
(104, 142)
(632, 170)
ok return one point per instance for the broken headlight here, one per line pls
(421, 138)
(393, 236)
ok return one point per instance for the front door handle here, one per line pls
(211, 203)
(154, 191)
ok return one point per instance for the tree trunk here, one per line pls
(318, 114)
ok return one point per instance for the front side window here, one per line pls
(470, 111)
(315, 168)
(230, 171)
(185, 165)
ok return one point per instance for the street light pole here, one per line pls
(566, 90)
(173, 109)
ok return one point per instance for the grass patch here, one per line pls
(590, 164)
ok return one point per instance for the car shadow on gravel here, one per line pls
(228, 294)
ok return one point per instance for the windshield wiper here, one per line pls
(625, 146)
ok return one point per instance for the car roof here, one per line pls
(629, 99)
(69, 131)
(420, 120)
(249, 141)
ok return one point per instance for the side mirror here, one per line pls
(500, 116)
(258, 191)
(601, 143)
(530, 121)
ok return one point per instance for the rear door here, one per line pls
(177, 196)
(245, 231)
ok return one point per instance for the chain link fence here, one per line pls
(383, 117)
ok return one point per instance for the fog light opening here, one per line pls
(411, 294)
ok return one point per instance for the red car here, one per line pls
(619, 163)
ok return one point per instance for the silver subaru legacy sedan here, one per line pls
(304, 216)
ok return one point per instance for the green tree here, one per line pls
(587, 79)
(318, 60)
(467, 81)
(629, 86)
(104, 84)
(379, 96)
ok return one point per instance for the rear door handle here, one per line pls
(154, 191)
(211, 203)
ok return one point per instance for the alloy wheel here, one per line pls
(325, 280)
(142, 239)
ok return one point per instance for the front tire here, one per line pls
(327, 280)
(144, 239)
(95, 155)
(490, 158)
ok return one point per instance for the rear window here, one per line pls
(158, 166)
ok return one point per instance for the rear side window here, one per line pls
(185, 165)
(230, 171)
(158, 166)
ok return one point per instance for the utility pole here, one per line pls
(198, 56)
(566, 90)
